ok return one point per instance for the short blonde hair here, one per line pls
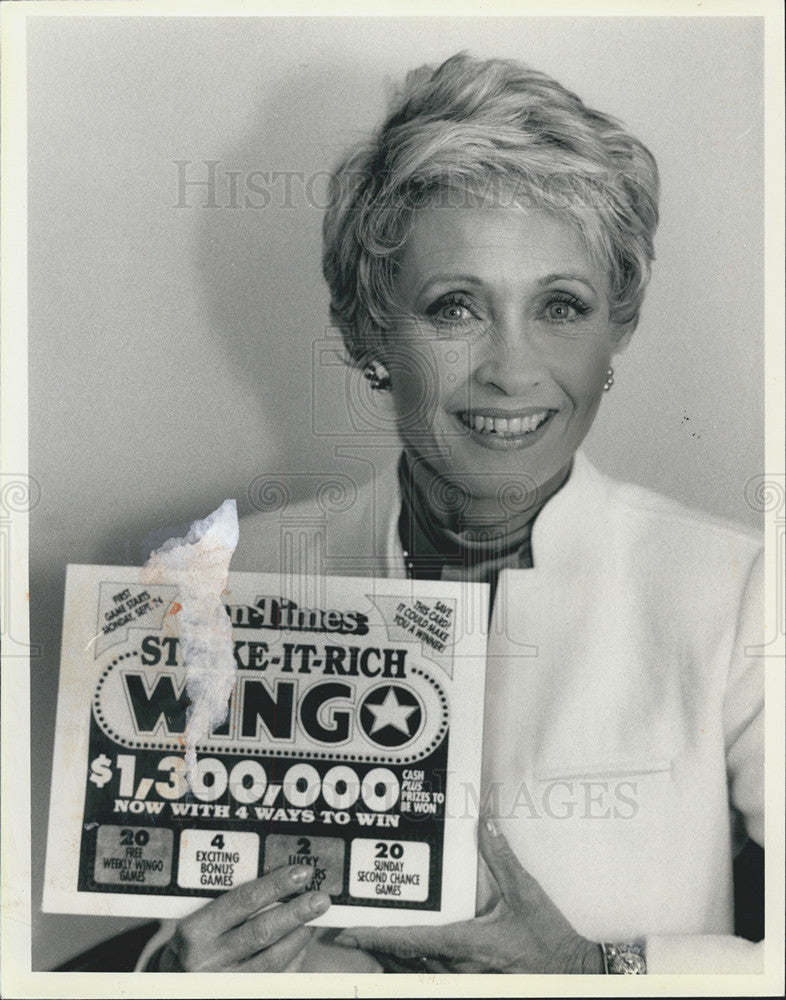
(484, 128)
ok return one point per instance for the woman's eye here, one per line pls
(565, 310)
(452, 310)
(560, 310)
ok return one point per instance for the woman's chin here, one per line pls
(489, 480)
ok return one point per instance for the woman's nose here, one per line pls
(510, 359)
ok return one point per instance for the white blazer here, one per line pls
(623, 742)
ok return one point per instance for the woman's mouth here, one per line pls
(504, 426)
(506, 432)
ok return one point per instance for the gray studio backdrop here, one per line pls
(178, 331)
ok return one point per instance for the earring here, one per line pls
(609, 380)
(377, 375)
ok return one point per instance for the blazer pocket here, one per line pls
(654, 769)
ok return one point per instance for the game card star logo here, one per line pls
(391, 715)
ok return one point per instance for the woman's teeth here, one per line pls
(504, 426)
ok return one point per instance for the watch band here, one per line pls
(627, 959)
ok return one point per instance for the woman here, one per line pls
(487, 254)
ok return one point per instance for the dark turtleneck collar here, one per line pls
(440, 544)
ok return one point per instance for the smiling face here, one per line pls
(500, 345)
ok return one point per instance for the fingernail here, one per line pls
(319, 903)
(301, 874)
(491, 826)
(346, 940)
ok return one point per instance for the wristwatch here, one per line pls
(625, 959)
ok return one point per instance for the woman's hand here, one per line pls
(229, 934)
(525, 932)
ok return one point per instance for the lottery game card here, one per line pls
(351, 744)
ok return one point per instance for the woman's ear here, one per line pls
(621, 334)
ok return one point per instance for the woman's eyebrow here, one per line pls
(559, 276)
(439, 279)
